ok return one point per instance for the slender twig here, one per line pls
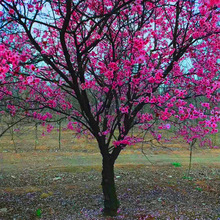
(59, 123)
(142, 148)
(36, 135)
(10, 126)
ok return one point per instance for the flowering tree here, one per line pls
(110, 65)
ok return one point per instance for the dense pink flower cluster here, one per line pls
(8, 62)
(127, 140)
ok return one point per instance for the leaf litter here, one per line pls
(161, 192)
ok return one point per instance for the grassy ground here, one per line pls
(25, 139)
(42, 160)
(48, 183)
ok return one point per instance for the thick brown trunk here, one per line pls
(111, 203)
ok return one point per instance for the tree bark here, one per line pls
(36, 136)
(111, 203)
(59, 134)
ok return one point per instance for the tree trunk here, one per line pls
(36, 136)
(60, 134)
(111, 203)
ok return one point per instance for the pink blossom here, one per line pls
(141, 59)
(30, 79)
(214, 130)
(214, 125)
(2, 77)
(30, 7)
(109, 74)
(32, 67)
(215, 147)
(11, 11)
(168, 126)
(113, 66)
(106, 89)
(70, 126)
(214, 3)
(105, 132)
(124, 109)
(49, 128)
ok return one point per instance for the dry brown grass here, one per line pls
(21, 190)
(80, 154)
(25, 141)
